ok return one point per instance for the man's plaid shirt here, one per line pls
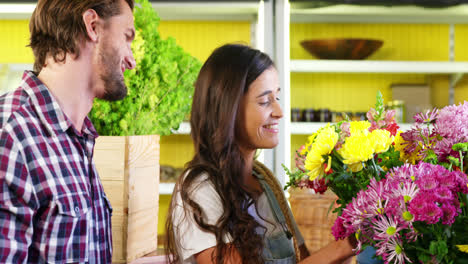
(52, 205)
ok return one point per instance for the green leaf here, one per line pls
(460, 147)
(438, 248)
(424, 258)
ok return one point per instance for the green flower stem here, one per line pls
(419, 249)
(464, 199)
(376, 169)
(369, 238)
(461, 160)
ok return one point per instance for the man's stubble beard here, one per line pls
(111, 76)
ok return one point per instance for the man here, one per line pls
(52, 204)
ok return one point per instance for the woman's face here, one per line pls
(260, 113)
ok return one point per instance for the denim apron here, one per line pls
(367, 257)
(278, 248)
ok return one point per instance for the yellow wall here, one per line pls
(14, 36)
(200, 38)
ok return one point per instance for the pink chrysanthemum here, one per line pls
(392, 251)
(426, 118)
(427, 183)
(383, 215)
(461, 182)
(443, 195)
(430, 213)
(449, 214)
(338, 230)
(386, 227)
(452, 122)
(451, 125)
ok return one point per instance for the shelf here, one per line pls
(17, 67)
(369, 66)
(306, 12)
(297, 128)
(166, 188)
(305, 128)
(10, 76)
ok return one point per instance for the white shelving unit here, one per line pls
(166, 188)
(369, 66)
(10, 75)
(303, 12)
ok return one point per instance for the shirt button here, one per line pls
(77, 209)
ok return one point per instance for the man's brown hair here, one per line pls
(57, 26)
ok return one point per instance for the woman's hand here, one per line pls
(334, 253)
(207, 256)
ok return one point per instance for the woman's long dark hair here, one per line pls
(222, 82)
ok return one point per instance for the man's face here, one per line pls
(115, 54)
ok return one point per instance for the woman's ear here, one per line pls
(91, 19)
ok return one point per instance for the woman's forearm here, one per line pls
(334, 253)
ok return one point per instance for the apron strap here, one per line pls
(277, 212)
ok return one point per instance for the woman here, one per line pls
(228, 208)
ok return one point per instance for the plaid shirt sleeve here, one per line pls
(16, 203)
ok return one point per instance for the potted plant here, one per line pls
(159, 97)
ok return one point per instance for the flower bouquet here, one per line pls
(345, 156)
(410, 215)
(403, 193)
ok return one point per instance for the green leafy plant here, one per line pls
(160, 87)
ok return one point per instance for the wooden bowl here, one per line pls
(341, 49)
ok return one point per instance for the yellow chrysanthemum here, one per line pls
(399, 144)
(310, 140)
(381, 139)
(323, 144)
(463, 248)
(314, 164)
(356, 167)
(359, 127)
(357, 148)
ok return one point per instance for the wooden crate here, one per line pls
(129, 171)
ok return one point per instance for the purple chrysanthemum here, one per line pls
(449, 214)
(452, 122)
(461, 182)
(429, 213)
(443, 195)
(426, 118)
(452, 126)
(427, 183)
(338, 230)
(383, 215)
